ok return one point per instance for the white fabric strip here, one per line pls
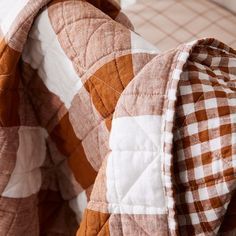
(44, 53)
(79, 204)
(25, 179)
(134, 184)
(9, 9)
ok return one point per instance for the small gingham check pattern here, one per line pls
(204, 139)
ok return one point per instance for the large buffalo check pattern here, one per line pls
(101, 134)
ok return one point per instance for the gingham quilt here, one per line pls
(101, 134)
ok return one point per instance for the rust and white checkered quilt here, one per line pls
(101, 134)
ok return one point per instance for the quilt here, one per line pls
(101, 134)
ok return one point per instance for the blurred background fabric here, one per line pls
(167, 23)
